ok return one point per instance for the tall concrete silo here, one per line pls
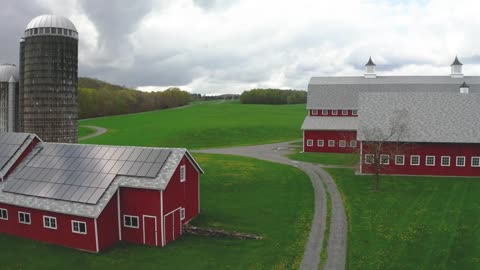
(48, 79)
(8, 97)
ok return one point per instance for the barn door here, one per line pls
(150, 230)
(173, 225)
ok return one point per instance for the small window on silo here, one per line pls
(70, 32)
(40, 31)
(65, 32)
(31, 32)
(35, 31)
(47, 30)
(54, 30)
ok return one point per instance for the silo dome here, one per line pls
(7, 71)
(46, 25)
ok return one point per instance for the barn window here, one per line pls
(50, 222)
(430, 160)
(24, 218)
(445, 161)
(353, 143)
(460, 161)
(399, 159)
(130, 221)
(331, 143)
(314, 112)
(344, 112)
(334, 112)
(415, 160)
(183, 174)
(79, 227)
(3, 214)
(369, 159)
(354, 112)
(182, 213)
(309, 142)
(320, 143)
(384, 159)
(475, 161)
(342, 143)
(324, 112)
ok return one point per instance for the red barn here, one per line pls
(89, 197)
(331, 123)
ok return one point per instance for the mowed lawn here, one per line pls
(248, 195)
(203, 125)
(412, 223)
(84, 131)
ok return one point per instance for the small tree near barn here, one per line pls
(380, 146)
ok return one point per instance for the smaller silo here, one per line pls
(8, 97)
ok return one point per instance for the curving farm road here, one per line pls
(98, 131)
(337, 242)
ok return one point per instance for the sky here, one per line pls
(228, 46)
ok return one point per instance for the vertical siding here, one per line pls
(63, 235)
(431, 149)
(316, 135)
(107, 224)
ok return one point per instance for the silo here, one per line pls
(8, 97)
(48, 79)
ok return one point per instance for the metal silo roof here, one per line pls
(7, 71)
(51, 21)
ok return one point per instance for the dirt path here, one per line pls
(98, 131)
(337, 242)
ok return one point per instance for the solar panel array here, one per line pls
(82, 173)
(9, 144)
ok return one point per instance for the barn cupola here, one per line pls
(464, 88)
(456, 68)
(370, 69)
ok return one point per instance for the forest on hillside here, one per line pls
(97, 98)
(273, 96)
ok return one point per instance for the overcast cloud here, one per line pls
(227, 46)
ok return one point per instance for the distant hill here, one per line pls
(98, 98)
(273, 96)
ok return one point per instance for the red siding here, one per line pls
(63, 235)
(107, 224)
(139, 202)
(431, 149)
(330, 113)
(316, 135)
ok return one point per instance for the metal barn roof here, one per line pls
(330, 123)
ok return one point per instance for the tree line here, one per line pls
(273, 96)
(97, 98)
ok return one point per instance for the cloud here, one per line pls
(214, 46)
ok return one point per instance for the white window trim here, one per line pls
(464, 161)
(183, 173)
(354, 112)
(344, 112)
(367, 160)
(314, 112)
(396, 160)
(342, 143)
(411, 159)
(6, 214)
(309, 142)
(29, 218)
(50, 221)
(320, 143)
(388, 159)
(353, 143)
(331, 145)
(131, 217)
(324, 112)
(441, 161)
(79, 222)
(471, 162)
(426, 161)
(182, 213)
(334, 112)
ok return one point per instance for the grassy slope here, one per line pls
(326, 158)
(84, 131)
(203, 125)
(272, 200)
(412, 223)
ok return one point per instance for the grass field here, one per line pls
(412, 223)
(84, 131)
(275, 201)
(326, 158)
(203, 125)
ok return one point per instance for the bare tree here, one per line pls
(380, 146)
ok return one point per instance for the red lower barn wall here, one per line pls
(63, 235)
(107, 224)
(430, 149)
(316, 135)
